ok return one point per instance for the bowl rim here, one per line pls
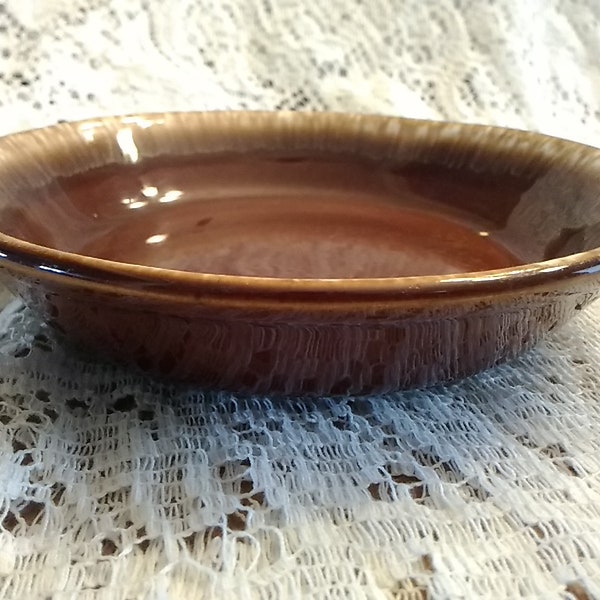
(51, 262)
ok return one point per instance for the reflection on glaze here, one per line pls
(51, 269)
(489, 277)
(133, 203)
(171, 196)
(552, 269)
(142, 122)
(593, 270)
(88, 130)
(158, 238)
(150, 191)
(127, 144)
(558, 215)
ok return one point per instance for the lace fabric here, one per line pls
(113, 485)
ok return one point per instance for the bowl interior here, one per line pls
(304, 210)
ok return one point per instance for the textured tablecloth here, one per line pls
(117, 487)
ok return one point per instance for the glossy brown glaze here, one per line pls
(300, 253)
(262, 216)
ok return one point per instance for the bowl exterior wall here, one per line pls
(307, 351)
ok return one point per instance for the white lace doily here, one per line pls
(117, 487)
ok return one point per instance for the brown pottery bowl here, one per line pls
(296, 252)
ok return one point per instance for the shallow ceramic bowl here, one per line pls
(300, 253)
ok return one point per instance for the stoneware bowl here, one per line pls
(300, 253)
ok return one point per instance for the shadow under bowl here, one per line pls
(307, 253)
